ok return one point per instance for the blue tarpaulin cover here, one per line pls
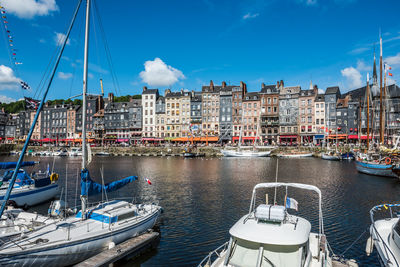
(88, 186)
(9, 165)
(22, 177)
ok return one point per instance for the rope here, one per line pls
(341, 256)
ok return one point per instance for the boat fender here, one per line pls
(111, 245)
(370, 246)
(54, 177)
(388, 160)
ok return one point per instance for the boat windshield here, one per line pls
(245, 254)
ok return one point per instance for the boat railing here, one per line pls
(388, 207)
(206, 262)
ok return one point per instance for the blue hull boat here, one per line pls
(348, 156)
(378, 169)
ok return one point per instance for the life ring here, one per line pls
(388, 161)
(54, 177)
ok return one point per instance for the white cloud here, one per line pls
(251, 16)
(361, 66)
(321, 91)
(27, 9)
(42, 41)
(353, 77)
(7, 78)
(6, 99)
(394, 60)
(59, 38)
(90, 76)
(157, 73)
(64, 75)
(98, 69)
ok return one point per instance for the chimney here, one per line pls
(244, 88)
(262, 85)
(241, 85)
(192, 93)
(277, 84)
(223, 84)
(211, 85)
(281, 84)
(182, 91)
(144, 88)
(316, 89)
(111, 97)
(167, 91)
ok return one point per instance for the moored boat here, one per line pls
(348, 156)
(245, 153)
(377, 168)
(385, 236)
(270, 236)
(295, 155)
(330, 156)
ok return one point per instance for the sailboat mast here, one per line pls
(381, 122)
(84, 104)
(84, 95)
(367, 93)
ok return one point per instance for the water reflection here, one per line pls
(203, 198)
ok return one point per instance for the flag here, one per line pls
(292, 203)
(390, 74)
(24, 85)
(48, 169)
(148, 181)
(18, 63)
(31, 103)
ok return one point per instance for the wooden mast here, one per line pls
(381, 122)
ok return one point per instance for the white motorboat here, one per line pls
(330, 156)
(60, 153)
(28, 190)
(102, 154)
(385, 236)
(75, 152)
(245, 153)
(295, 155)
(269, 236)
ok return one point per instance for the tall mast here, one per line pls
(84, 95)
(381, 122)
(367, 93)
(84, 105)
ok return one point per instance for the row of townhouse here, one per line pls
(275, 114)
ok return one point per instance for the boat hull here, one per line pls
(249, 154)
(375, 169)
(330, 157)
(31, 196)
(73, 252)
(306, 155)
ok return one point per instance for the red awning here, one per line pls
(364, 137)
(352, 136)
(252, 138)
(288, 136)
(47, 140)
(10, 138)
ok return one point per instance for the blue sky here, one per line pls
(185, 44)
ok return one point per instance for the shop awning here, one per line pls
(244, 138)
(288, 136)
(122, 140)
(319, 136)
(352, 136)
(197, 139)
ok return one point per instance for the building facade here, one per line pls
(288, 114)
(149, 98)
(269, 99)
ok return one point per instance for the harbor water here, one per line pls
(202, 198)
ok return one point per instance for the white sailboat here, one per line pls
(269, 236)
(94, 228)
(240, 152)
(29, 189)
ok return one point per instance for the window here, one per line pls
(317, 105)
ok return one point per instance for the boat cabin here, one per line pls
(269, 237)
(112, 212)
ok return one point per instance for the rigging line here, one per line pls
(96, 39)
(108, 54)
(75, 66)
(21, 157)
(276, 178)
